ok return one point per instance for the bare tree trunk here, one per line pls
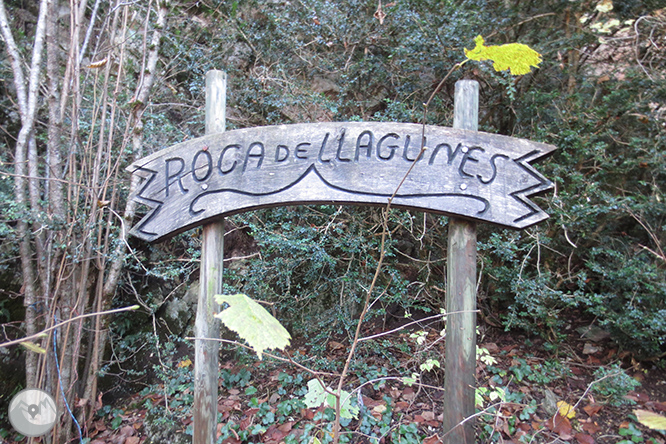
(135, 127)
(72, 241)
(27, 100)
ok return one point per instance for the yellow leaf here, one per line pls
(33, 347)
(516, 57)
(184, 363)
(651, 419)
(605, 6)
(381, 408)
(98, 64)
(566, 410)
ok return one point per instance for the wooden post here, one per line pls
(459, 381)
(210, 283)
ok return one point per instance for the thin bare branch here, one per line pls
(68, 321)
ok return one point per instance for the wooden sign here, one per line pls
(476, 175)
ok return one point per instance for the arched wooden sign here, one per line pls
(476, 175)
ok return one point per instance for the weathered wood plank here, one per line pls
(459, 380)
(210, 283)
(481, 176)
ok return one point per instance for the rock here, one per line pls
(593, 333)
(549, 402)
(325, 85)
(159, 429)
(180, 310)
(589, 349)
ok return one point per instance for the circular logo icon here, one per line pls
(32, 412)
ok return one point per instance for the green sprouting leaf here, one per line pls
(478, 396)
(409, 381)
(429, 365)
(253, 323)
(651, 420)
(516, 57)
(347, 410)
(317, 395)
(33, 347)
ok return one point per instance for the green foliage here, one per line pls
(492, 394)
(613, 385)
(631, 434)
(493, 398)
(533, 372)
(235, 379)
(596, 257)
(316, 262)
(114, 415)
(598, 253)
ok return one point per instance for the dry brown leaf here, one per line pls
(428, 416)
(592, 409)
(379, 408)
(560, 425)
(590, 427)
(582, 438)
(379, 13)
(434, 439)
(333, 345)
(401, 405)
(525, 427)
(127, 430)
(408, 394)
(286, 427)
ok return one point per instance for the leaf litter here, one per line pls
(580, 417)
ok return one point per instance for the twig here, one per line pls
(476, 415)
(386, 333)
(60, 324)
(382, 252)
(270, 355)
(660, 253)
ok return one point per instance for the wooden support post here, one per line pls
(459, 381)
(210, 283)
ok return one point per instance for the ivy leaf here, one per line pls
(651, 419)
(516, 57)
(252, 322)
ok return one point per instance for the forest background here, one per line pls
(88, 87)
